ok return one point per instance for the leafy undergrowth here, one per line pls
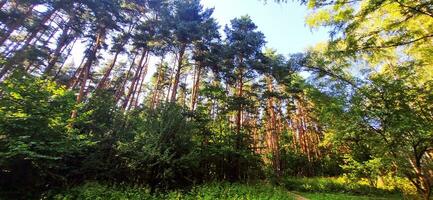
(321, 186)
(311, 188)
(234, 191)
(329, 196)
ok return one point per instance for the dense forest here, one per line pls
(162, 96)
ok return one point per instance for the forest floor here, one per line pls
(333, 196)
(233, 191)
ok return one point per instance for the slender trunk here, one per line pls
(102, 83)
(138, 92)
(239, 138)
(272, 130)
(12, 27)
(240, 109)
(170, 84)
(39, 28)
(196, 87)
(86, 68)
(75, 79)
(135, 80)
(104, 79)
(64, 40)
(178, 72)
(44, 44)
(121, 91)
(156, 91)
(67, 55)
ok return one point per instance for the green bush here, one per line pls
(34, 134)
(160, 150)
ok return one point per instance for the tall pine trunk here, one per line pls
(87, 66)
(64, 40)
(240, 109)
(156, 91)
(134, 81)
(103, 82)
(272, 132)
(178, 72)
(40, 27)
(196, 86)
(120, 91)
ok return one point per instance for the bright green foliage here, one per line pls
(238, 191)
(374, 29)
(330, 196)
(335, 185)
(34, 127)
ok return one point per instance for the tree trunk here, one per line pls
(135, 80)
(240, 109)
(86, 68)
(170, 83)
(104, 79)
(12, 27)
(122, 89)
(138, 92)
(156, 91)
(64, 40)
(273, 138)
(107, 73)
(38, 28)
(76, 79)
(67, 55)
(44, 44)
(178, 72)
(196, 87)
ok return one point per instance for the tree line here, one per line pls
(219, 105)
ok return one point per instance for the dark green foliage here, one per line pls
(34, 133)
(297, 165)
(102, 124)
(220, 158)
(160, 149)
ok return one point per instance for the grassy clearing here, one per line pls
(339, 186)
(330, 196)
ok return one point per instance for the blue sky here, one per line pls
(283, 24)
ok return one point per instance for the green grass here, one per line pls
(96, 191)
(337, 186)
(330, 196)
(311, 188)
